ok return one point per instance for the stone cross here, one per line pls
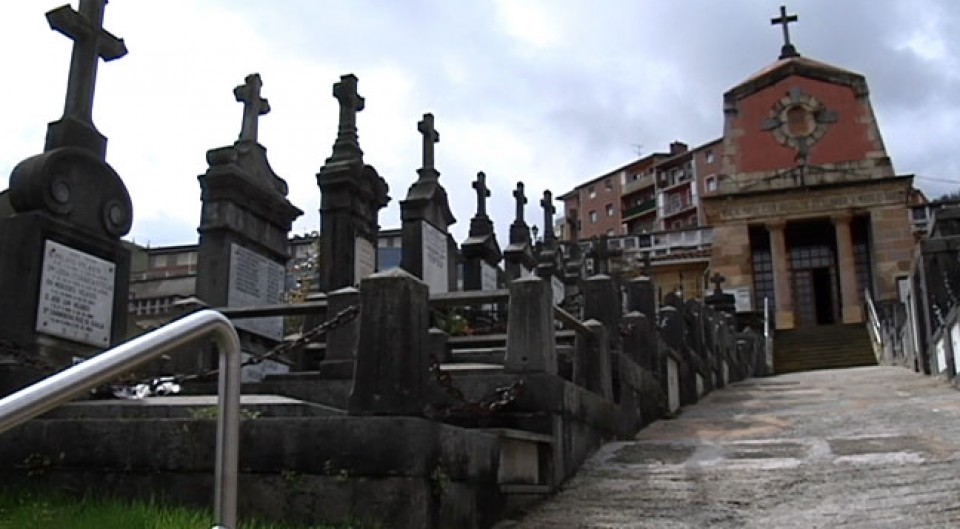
(350, 103)
(521, 199)
(430, 137)
(548, 211)
(254, 106)
(717, 280)
(482, 194)
(90, 41)
(788, 50)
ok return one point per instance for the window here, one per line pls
(593, 217)
(608, 184)
(610, 210)
(592, 191)
(709, 156)
(711, 183)
(611, 233)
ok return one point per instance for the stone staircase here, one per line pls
(822, 347)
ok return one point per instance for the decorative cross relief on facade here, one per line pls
(798, 120)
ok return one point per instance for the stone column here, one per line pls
(783, 290)
(591, 364)
(850, 300)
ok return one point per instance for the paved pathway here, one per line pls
(866, 447)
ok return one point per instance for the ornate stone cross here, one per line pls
(788, 50)
(521, 199)
(717, 280)
(254, 106)
(482, 194)
(430, 137)
(90, 42)
(350, 103)
(548, 211)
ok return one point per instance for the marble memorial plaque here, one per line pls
(435, 263)
(364, 259)
(255, 280)
(488, 276)
(955, 342)
(559, 291)
(76, 295)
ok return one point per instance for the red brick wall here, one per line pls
(846, 140)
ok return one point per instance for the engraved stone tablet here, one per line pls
(365, 259)
(435, 258)
(488, 276)
(558, 290)
(76, 295)
(255, 280)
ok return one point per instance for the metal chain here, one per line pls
(341, 318)
(22, 358)
(502, 395)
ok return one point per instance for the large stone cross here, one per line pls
(482, 194)
(788, 50)
(717, 280)
(350, 103)
(90, 42)
(254, 106)
(521, 199)
(548, 211)
(430, 137)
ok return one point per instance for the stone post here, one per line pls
(642, 296)
(392, 366)
(591, 365)
(601, 301)
(531, 341)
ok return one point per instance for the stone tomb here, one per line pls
(244, 226)
(64, 271)
(429, 252)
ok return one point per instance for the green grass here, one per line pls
(36, 510)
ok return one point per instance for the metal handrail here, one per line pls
(61, 387)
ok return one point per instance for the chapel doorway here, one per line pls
(813, 271)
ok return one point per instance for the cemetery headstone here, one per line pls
(244, 223)
(429, 252)
(64, 271)
(549, 259)
(719, 300)
(481, 252)
(518, 256)
(352, 195)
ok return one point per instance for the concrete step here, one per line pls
(824, 347)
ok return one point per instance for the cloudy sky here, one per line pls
(551, 92)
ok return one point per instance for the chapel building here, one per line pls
(807, 210)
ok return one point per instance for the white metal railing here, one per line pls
(70, 383)
(873, 324)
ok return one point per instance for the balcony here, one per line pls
(663, 244)
(642, 208)
(643, 181)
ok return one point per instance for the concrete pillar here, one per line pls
(849, 298)
(642, 297)
(531, 341)
(783, 290)
(591, 364)
(392, 366)
(342, 341)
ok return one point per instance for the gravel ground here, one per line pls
(865, 447)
